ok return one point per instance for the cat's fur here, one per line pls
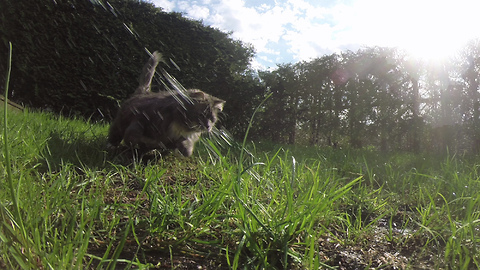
(164, 120)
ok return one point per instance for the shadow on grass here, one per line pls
(78, 151)
(91, 153)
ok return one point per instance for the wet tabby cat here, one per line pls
(164, 120)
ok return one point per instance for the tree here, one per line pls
(279, 117)
(323, 100)
(470, 73)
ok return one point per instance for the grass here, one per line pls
(66, 203)
(79, 207)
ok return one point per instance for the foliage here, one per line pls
(82, 57)
(378, 97)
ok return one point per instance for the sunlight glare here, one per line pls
(438, 30)
(428, 29)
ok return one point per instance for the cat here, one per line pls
(163, 120)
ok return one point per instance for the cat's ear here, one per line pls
(218, 104)
(197, 94)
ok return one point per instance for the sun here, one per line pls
(443, 28)
(434, 49)
(437, 30)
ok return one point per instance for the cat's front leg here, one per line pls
(185, 147)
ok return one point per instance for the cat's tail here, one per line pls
(145, 79)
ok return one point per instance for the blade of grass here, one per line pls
(8, 166)
(14, 219)
(250, 123)
(119, 248)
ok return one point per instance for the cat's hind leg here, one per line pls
(134, 134)
(115, 135)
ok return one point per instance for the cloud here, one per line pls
(295, 22)
(196, 11)
(265, 24)
(293, 30)
(166, 5)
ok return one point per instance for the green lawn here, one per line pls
(68, 204)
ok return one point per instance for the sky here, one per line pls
(288, 31)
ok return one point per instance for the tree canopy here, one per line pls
(377, 97)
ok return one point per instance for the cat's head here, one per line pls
(202, 110)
